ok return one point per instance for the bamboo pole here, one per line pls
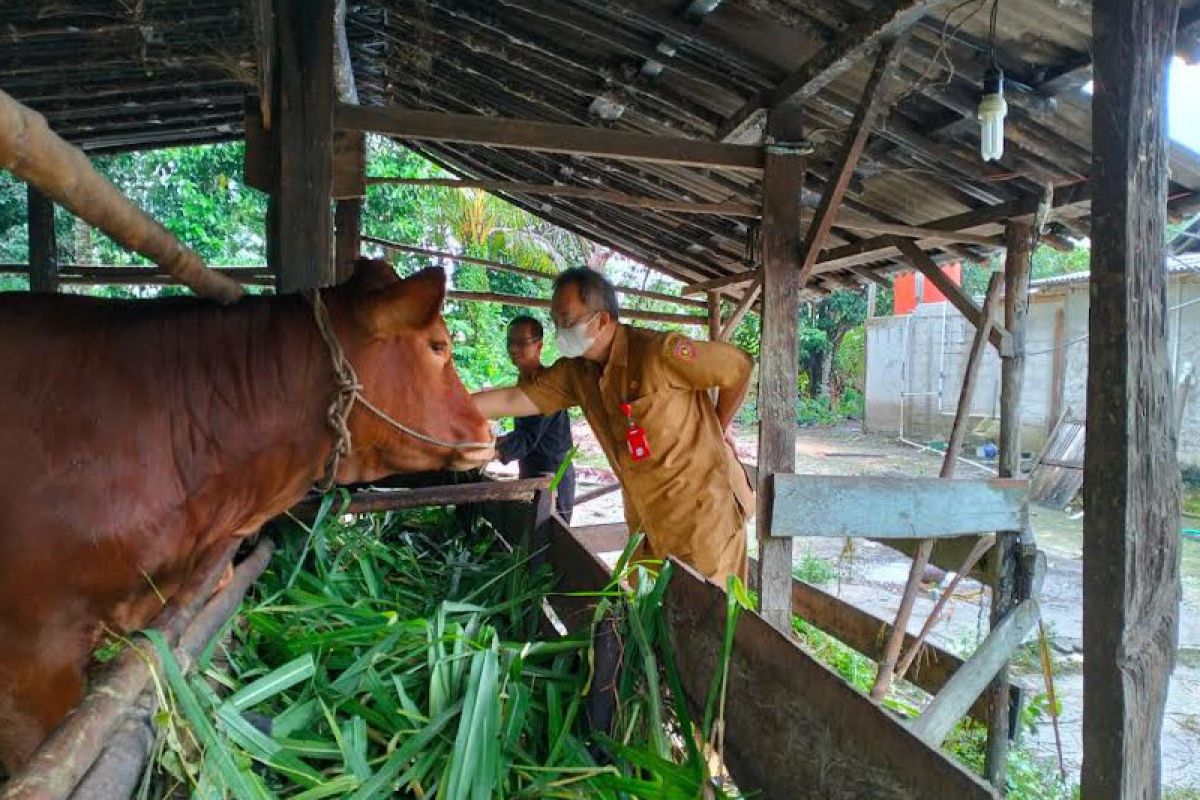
(887, 664)
(38, 156)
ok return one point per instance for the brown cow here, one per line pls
(137, 438)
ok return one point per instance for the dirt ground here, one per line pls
(872, 577)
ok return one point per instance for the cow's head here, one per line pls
(394, 335)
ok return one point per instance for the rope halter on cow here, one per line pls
(347, 392)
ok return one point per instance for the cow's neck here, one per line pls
(261, 437)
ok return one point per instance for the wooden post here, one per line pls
(714, 316)
(1131, 541)
(783, 178)
(1018, 261)
(300, 219)
(43, 246)
(347, 243)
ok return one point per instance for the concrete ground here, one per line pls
(873, 577)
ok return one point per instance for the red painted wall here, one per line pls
(904, 289)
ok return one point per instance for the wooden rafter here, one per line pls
(1067, 200)
(743, 307)
(723, 283)
(921, 262)
(886, 20)
(584, 192)
(544, 302)
(546, 137)
(847, 160)
(513, 269)
(920, 232)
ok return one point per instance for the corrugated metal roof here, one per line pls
(1176, 265)
(113, 74)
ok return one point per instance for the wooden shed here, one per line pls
(765, 153)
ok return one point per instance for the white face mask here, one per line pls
(574, 341)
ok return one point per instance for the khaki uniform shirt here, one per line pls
(690, 497)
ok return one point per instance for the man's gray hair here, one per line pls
(597, 292)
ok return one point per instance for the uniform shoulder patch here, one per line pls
(683, 348)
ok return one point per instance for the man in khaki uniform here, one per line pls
(688, 494)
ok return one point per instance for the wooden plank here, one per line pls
(1018, 264)
(302, 220)
(500, 266)
(579, 575)
(865, 117)
(824, 738)
(866, 633)
(43, 244)
(783, 180)
(546, 137)
(606, 538)
(374, 501)
(961, 691)
(544, 302)
(885, 20)
(724, 282)
(894, 508)
(1131, 541)
(731, 209)
(921, 262)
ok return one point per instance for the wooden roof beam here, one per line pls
(886, 20)
(544, 302)
(856, 139)
(524, 271)
(725, 282)
(546, 137)
(584, 192)
(921, 262)
(1067, 199)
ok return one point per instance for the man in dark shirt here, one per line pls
(540, 442)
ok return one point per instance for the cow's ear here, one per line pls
(371, 275)
(411, 304)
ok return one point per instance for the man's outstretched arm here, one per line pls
(507, 401)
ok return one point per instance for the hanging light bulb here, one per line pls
(992, 109)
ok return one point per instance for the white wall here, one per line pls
(915, 366)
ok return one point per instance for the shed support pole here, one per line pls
(1006, 588)
(43, 246)
(783, 178)
(347, 243)
(300, 218)
(714, 316)
(1131, 541)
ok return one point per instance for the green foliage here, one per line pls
(811, 568)
(395, 659)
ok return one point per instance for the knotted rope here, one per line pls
(347, 392)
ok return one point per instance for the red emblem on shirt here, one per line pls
(635, 436)
(684, 349)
